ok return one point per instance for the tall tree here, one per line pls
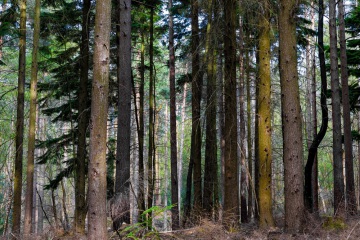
(174, 170)
(195, 103)
(83, 122)
(151, 134)
(122, 183)
(19, 122)
(308, 191)
(291, 117)
(97, 227)
(349, 168)
(339, 198)
(264, 119)
(210, 175)
(29, 197)
(231, 195)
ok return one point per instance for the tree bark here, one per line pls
(266, 219)
(174, 170)
(291, 118)
(349, 167)
(19, 123)
(83, 123)
(210, 177)
(29, 197)
(231, 195)
(339, 197)
(97, 228)
(196, 103)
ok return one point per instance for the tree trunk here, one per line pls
(210, 177)
(83, 123)
(349, 168)
(339, 198)
(29, 197)
(264, 120)
(231, 195)
(151, 149)
(291, 118)
(174, 170)
(242, 134)
(195, 103)
(19, 123)
(99, 107)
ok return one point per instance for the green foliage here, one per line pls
(140, 229)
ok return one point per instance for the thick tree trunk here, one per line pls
(83, 123)
(174, 170)
(349, 167)
(19, 123)
(231, 195)
(29, 197)
(339, 197)
(264, 120)
(124, 105)
(291, 118)
(210, 177)
(97, 228)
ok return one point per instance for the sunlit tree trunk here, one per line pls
(19, 122)
(339, 197)
(231, 194)
(349, 168)
(264, 120)
(29, 197)
(291, 118)
(99, 107)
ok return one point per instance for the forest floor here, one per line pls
(315, 228)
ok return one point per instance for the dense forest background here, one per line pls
(160, 114)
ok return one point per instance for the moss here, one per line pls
(333, 223)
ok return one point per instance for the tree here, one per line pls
(19, 122)
(210, 175)
(122, 183)
(174, 161)
(339, 198)
(83, 122)
(29, 197)
(291, 117)
(349, 168)
(264, 119)
(97, 228)
(308, 191)
(231, 195)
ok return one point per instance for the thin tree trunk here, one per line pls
(231, 195)
(151, 149)
(97, 228)
(349, 168)
(339, 197)
(174, 160)
(291, 118)
(64, 208)
(83, 122)
(242, 135)
(196, 100)
(19, 123)
(29, 197)
(249, 136)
